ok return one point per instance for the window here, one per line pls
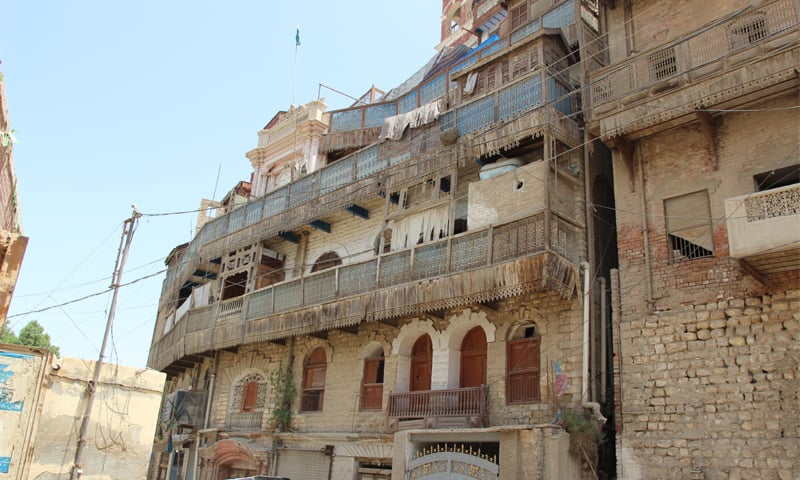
(748, 30)
(780, 177)
(662, 64)
(519, 15)
(372, 383)
(234, 286)
(689, 234)
(270, 269)
(248, 400)
(314, 381)
(249, 396)
(326, 261)
(522, 367)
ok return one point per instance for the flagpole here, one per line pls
(294, 70)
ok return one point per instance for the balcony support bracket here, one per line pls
(358, 211)
(709, 126)
(321, 225)
(290, 237)
(750, 270)
(625, 149)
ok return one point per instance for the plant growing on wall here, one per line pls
(283, 385)
(585, 437)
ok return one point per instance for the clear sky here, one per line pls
(156, 103)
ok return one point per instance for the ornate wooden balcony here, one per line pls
(539, 252)
(764, 228)
(459, 407)
(753, 50)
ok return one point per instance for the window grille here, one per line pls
(662, 64)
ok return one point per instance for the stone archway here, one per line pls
(235, 457)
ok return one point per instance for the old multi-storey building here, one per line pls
(12, 241)
(699, 102)
(575, 206)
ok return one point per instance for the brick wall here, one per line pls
(708, 376)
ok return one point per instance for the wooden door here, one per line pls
(421, 356)
(473, 358)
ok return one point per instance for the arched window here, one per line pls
(325, 261)
(522, 366)
(473, 358)
(372, 383)
(314, 381)
(421, 360)
(248, 400)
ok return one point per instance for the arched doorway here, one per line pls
(473, 359)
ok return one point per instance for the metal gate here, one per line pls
(449, 462)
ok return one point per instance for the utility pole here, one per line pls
(116, 278)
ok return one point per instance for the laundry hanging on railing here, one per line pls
(472, 79)
(200, 295)
(422, 227)
(393, 127)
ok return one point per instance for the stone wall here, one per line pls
(708, 374)
(557, 321)
(713, 387)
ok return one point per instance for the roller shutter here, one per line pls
(303, 465)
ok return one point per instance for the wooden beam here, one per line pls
(358, 211)
(290, 237)
(352, 329)
(322, 334)
(392, 322)
(709, 126)
(750, 270)
(321, 225)
(489, 307)
(436, 315)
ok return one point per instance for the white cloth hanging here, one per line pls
(426, 225)
(472, 79)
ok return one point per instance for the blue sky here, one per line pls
(155, 103)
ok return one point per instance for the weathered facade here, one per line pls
(12, 241)
(699, 104)
(414, 263)
(542, 220)
(42, 401)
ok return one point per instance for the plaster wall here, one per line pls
(121, 428)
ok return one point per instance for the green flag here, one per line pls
(297, 37)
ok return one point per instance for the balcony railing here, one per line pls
(765, 224)
(244, 421)
(529, 93)
(452, 255)
(338, 293)
(373, 115)
(666, 64)
(458, 402)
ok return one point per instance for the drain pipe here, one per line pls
(585, 403)
(585, 370)
(196, 470)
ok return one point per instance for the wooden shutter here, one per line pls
(372, 386)
(522, 370)
(249, 396)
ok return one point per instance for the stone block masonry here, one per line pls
(713, 387)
